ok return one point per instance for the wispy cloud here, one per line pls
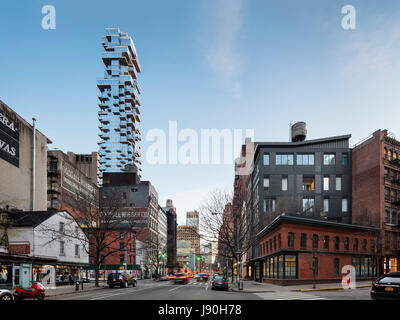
(375, 51)
(223, 55)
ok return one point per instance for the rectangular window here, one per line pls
(279, 241)
(346, 243)
(121, 258)
(62, 248)
(290, 266)
(77, 250)
(284, 159)
(329, 159)
(345, 159)
(269, 205)
(266, 183)
(308, 184)
(303, 241)
(338, 183)
(305, 159)
(121, 246)
(266, 159)
(326, 242)
(61, 227)
(344, 205)
(290, 240)
(274, 243)
(337, 242)
(326, 183)
(308, 205)
(121, 235)
(326, 205)
(355, 244)
(364, 244)
(284, 184)
(315, 241)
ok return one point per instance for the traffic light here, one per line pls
(163, 255)
(150, 260)
(198, 258)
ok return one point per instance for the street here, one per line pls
(150, 290)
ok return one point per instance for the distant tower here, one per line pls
(192, 218)
(119, 103)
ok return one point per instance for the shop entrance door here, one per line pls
(16, 278)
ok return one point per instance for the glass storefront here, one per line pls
(365, 268)
(281, 267)
(394, 264)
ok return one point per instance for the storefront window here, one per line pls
(5, 275)
(281, 267)
(275, 266)
(290, 266)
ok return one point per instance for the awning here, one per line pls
(113, 267)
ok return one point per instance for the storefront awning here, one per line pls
(113, 267)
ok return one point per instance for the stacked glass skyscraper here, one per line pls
(119, 103)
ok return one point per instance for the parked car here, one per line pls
(386, 287)
(122, 280)
(220, 282)
(6, 295)
(171, 277)
(181, 278)
(202, 277)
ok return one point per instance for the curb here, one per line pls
(331, 289)
(72, 292)
(300, 290)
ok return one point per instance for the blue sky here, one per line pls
(207, 64)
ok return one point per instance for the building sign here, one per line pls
(19, 249)
(9, 137)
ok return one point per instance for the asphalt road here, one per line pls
(160, 291)
(150, 290)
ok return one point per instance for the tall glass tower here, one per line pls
(118, 104)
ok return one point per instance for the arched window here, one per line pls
(336, 266)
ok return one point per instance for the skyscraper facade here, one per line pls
(192, 218)
(118, 103)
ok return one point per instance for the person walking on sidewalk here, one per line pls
(71, 282)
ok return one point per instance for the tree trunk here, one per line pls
(96, 271)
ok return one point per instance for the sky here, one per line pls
(224, 64)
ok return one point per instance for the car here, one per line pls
(181, 278)
(220, 282)
(202, 276)
(171, 277)
(6, 294)
(386, 287)
(163, 278)
(122, 280)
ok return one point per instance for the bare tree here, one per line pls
(102, 218)
(220, 226)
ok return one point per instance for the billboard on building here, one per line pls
(9, 137)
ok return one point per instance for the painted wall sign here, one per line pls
(9, 137)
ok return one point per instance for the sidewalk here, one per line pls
(86, 287)
(254, 286)
(71, 289)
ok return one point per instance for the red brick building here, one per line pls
(297, 250)
(376, 194)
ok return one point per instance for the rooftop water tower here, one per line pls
(298, 131)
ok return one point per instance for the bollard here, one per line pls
(82, 285)
(77, 286)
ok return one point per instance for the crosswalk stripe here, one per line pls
(288, 296)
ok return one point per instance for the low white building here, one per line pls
(45, 246)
